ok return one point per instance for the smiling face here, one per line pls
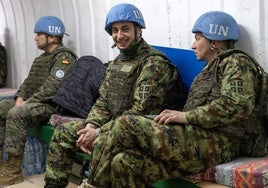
(124, 34)
(202, 48)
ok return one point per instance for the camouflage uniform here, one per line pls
(220, 109)
(46, 74)
(140, 81)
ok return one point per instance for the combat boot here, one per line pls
(10, 171)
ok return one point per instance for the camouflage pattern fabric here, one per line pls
(14, 122)
(137, 152)
(46, 74)
(224, 97)
(3, 66)
(132, 85)
(61, 152)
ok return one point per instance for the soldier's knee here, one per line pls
(62, 131)
(117, 163)
(17, 113)
(122, 119)
(66, 131)
(127, 120)
(121, 123)
(129, 123)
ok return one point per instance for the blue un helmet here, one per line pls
(217, 25)
(123, 13)
(50, 25)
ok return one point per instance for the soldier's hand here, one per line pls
(86, 138)
(171, 116)
(19, 101)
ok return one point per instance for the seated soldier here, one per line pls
(140, 80)
(224, 111)
(32, 105)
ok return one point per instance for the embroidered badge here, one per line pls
(236, 86)
(60, 74)
(144, 91)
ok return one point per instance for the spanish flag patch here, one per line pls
(65, 61)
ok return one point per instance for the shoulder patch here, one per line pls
(237, 86)
(60, 74)
(144, 91)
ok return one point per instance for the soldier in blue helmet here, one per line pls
(140, 80)
(32, 105)
(224, 117)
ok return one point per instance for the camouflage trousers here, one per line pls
(61, 153)
(14, 122)
(138, 152)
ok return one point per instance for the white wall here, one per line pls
(168, 23)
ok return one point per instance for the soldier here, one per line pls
(32, 105)
(140, 80)
(223, 111)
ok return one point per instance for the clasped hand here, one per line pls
(86, 138)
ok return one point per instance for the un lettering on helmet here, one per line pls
(50, 25)
(54, 29)
(138, 14)
(218, 29)
(217, 25)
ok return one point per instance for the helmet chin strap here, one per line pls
(43, 46)
(137, 38)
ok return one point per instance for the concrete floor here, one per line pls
(37, 181)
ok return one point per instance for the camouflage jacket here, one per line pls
(223, 98)
(141, 82)
(46, 74)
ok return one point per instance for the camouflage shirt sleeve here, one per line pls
(156, 76)
(62, 64)
(236, 79)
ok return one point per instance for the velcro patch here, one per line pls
(60, 74)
